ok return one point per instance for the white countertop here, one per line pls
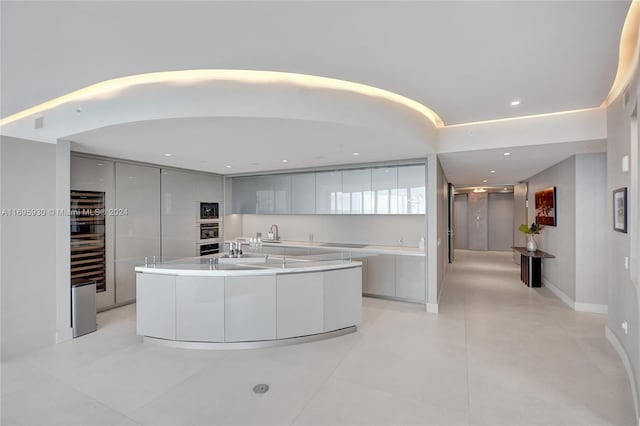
(202, 266)
(398, 250)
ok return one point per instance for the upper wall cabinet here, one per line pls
(273, 194)
(303, 193)
(356, 192)
(244, 194)
(384, 185)
(383, 190)
(412, 192)
(329, 193)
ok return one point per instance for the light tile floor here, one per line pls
(498, 354)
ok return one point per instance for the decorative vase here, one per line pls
(531, 243)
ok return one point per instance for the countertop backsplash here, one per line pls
(363, 229)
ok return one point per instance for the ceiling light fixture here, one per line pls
(285, 161)
(228, 166)
(356, 153)
(506, 154)
(479, 190)
(492, 171)
(515, 102)
(167, 155)
(484, 180)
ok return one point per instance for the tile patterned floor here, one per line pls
(498, 354)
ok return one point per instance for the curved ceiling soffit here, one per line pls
(629, 53)
(627, 64)
(364, 98)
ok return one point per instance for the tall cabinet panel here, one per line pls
(411, 190)
(303, 193)
(329, 193)
(384, 186)
(181, 193)
(88, 174)
(137, 190)
(356, 189)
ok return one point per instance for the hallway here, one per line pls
(497, 354)
(531, 359)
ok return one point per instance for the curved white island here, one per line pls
(249, 303)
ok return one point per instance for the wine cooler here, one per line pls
(88, 238)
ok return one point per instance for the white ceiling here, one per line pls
(473, 167)
(466, 60)
(245, 144)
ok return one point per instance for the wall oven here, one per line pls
(212, 248)
(208, 211)
(209, 231)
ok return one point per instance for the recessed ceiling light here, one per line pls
(100, 164)
(484, 180)
(507, 153)
(492, 171)
(515, 102)
(505, 189)
(356, 153)
(479, 190)
(228, 166)
(167, 155)
(285, 161)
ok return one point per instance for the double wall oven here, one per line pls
(208, 228)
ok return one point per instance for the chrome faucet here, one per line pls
(275, 235)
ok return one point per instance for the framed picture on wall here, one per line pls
(546, 206)
(620, 210)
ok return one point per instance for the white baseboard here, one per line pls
(613, 339)
(432, 308)
(594, 308)
(591, 307)
(559, 293)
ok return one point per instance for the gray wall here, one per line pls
(624, 296)
(559, 240)
(520, 215)
(500, 217)
(460, 231)
(28, 246)
(591, 209)
(477, 227)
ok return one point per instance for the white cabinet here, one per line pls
(181, 193)
(244, 194)
(356, 192)
(89, 174)
(329, 193)
(199, 308)
(250, 308)
(410, 278)
(156, 307)
(303, 193)
(381, 275)
(384, 185)
(411, 190)
(300, 304)
(137, 191)
(342, 298)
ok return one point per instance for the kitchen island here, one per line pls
(213, 302)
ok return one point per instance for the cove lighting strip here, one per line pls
(243, 76)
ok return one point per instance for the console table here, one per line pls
(531, 265)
